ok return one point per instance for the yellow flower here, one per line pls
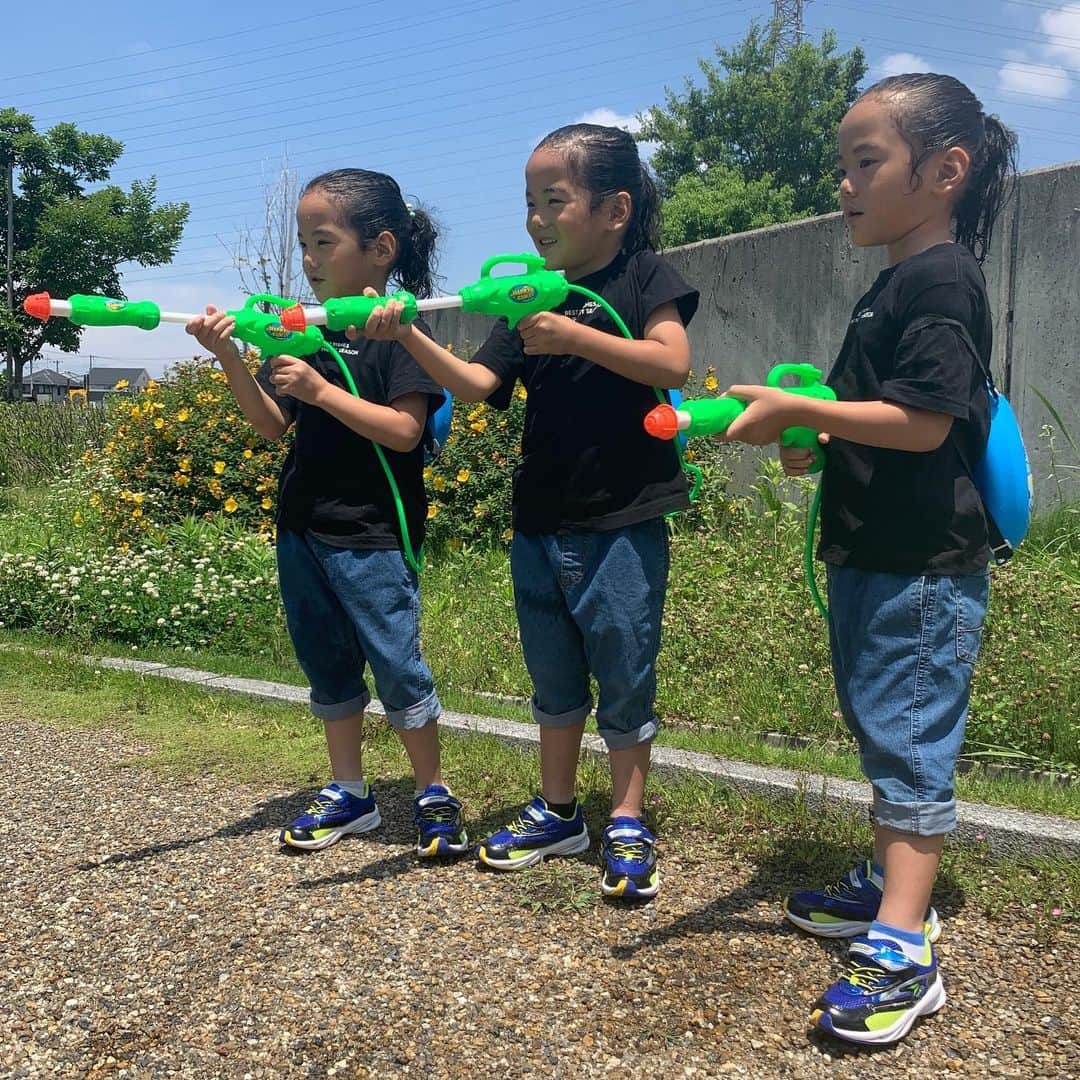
(181, 480)
(77, 518)
(231, 505)
(214, 487)
(249, 453)
(478, 425)
(123, 384)
(137, 512)
(427, 472)
(463, 476)
(508, 534)
(151, 387)
(479, 510)
(159, 423)
(433, 511)
(521, 393)
(183, 415)
(439, 483)
(266, 503)
(710, 382)
(185, 464)
(219, 467)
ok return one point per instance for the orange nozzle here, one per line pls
(662, 422)
(39, 305)
(293, 318)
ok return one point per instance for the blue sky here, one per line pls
(449, 101)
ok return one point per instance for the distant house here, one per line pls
(102, 381)
(49, 387)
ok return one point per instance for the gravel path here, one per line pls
(151, 928)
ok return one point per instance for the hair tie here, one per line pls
(409, 207)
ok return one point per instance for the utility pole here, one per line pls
(787, 22)
(9, 188)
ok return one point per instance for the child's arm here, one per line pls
(398, 426)
(213, 331)
(661, 358)
(469, 382)
(873, 423)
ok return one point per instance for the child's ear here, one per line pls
(385, 248)
(953, 170)
(619, 208)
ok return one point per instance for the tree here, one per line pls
(267, 258)
(757, 121)
(67, 239)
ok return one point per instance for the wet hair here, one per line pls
(371, 203)
(935, 112)
(604, 160)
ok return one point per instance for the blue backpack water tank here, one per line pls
(437, 429)
(1003, 476)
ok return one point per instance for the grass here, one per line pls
(1036, 797)
(190, 732)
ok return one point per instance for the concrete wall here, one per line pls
(786, 293)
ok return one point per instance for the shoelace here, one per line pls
(636, 850)
(842, 890)
(322, 805)
(441, 812)
(524, 826)
(863, 976)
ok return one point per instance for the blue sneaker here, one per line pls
(332, 814)
(439, 829)
(845, 909)
(881, 995)
(535, 834)
(630, 868)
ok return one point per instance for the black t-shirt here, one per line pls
(917, 339)
(331, 482)
(587, 462)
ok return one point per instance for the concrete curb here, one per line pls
(1004, 830)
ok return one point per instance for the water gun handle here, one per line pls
(810, 385)
(531, 262)
(514, 296)
(266, 332)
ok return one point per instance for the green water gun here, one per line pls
(514, 296)
(713, 416)
(258, 328)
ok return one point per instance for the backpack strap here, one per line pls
(1000, 548)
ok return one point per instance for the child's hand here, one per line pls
(292, 376)
(384, 323)
(798, 462)
(213, 331)
(763, 420)
(547, 332)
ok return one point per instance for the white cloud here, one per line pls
(1063, 29)
(1046, 80)
(610, 118)
(901, 63)
(1043, 70)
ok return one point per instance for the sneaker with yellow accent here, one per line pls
(439, 828)
(881, 995)
(534, 835)
(333, 813)
(846, 908)
(630, 868)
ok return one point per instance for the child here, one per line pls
(350, 598)
(903, 531)
(589, 557)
